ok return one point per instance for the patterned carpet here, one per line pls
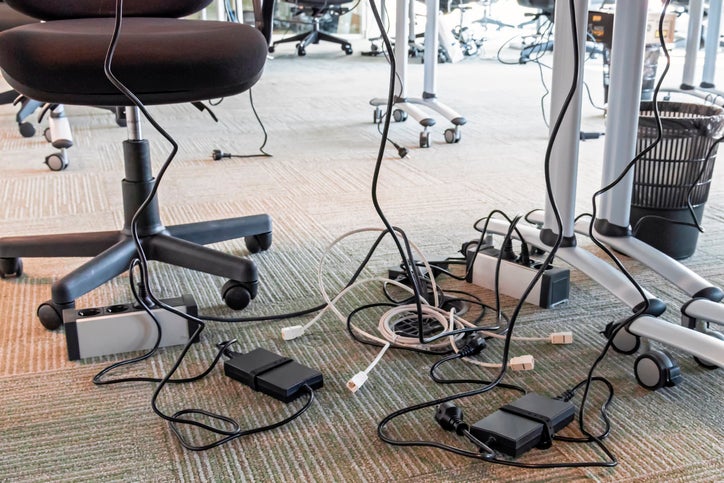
(58, 426)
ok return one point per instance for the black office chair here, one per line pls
(10, 18)
(163, 60)
(316, 9)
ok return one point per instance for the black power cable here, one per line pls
(141, 262)
(489, 385)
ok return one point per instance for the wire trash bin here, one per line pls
(663, 179)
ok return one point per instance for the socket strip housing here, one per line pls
(551, 289)
(120, 328)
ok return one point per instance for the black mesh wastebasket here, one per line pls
(663, 179)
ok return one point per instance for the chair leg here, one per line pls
(27, 108)
(8, 97)
(332, 38)
(94, 273)
(167, 249)
(65, 245)
(205, 232)
(295, 38)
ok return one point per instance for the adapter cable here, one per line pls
(218, 154)
(270, 373)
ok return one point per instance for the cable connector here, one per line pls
(291, 333)
(561, 338)
(361, 377)
(474, 346)
(522, 363)
(567, 395)
(357, 381)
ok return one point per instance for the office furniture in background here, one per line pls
(404, 105)
(316, 9)
(163, 60)
(10, 18)
(653, 368)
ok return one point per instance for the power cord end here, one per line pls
(522, 363)
(561, 338)
(474, 346)
(357, 381)
(291, 333)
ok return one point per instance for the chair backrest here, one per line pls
(57, 10)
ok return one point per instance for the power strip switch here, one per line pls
(100, 331)
(530, 421)
(551, 289)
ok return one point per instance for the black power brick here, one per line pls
(528, 422)
(272, 374)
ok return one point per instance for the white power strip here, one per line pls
(550, 290)
(115, 329)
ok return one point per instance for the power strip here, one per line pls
(115, 329)
(550, 290)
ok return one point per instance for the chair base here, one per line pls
(313, 37)
(113, 251)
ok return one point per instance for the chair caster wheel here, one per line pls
(47, 136)
(271, 49)
(11, 267)
(624, 342)
(258, 243)
(347, 49)
(301, 51)
(424, 139)
(51, 314)
(398, 115)
(377, 115)
(703, 362)
(238, 295)
(57, 161)
(656, 369)
(26, 129)
(452, 135)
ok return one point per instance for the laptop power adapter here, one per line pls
(275, 375)
(528, 422)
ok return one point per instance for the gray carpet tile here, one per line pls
(57, 426)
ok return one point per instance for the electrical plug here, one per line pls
(473, 347)
(450, 418)
(291, 333)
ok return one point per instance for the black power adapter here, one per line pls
(528, 422)
(272, 374)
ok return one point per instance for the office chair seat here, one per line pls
(162, 60)
(10, 18)
(182, 60)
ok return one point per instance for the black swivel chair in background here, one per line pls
(163, 60)
(544, 19)
(316, 9)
